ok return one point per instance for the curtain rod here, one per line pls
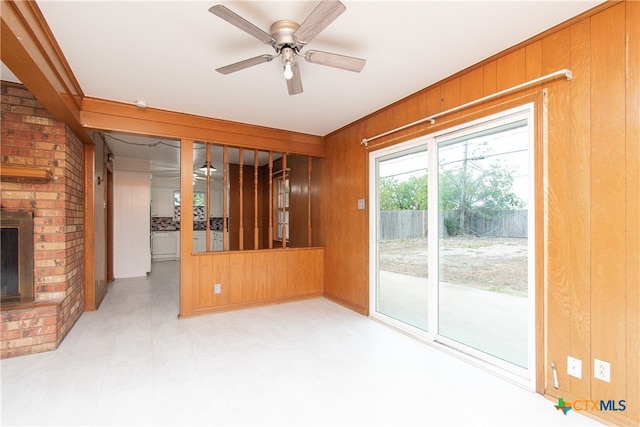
(564, 72)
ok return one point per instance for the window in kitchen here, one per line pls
(198, 198)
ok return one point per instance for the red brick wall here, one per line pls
(32, 137)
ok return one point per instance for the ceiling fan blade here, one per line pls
(246, 26)
(322, 15)
(294, 84)
(348, 63)
(245, 64)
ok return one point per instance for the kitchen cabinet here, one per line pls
(164, 245)
(216, 241)
(200, 237)
(199, 241)
(162, 202)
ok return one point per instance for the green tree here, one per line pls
(477, 191)
(469, 188)
(407, 194)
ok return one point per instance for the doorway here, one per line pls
(451, 257)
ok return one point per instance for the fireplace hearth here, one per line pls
(16, 254)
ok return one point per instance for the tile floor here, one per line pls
(305, 363)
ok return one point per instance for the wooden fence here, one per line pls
(413, 224)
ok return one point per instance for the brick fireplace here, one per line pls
(33, 140)
(16, 254)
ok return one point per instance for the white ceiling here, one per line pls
(165, 53)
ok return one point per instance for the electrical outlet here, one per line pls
(217, 288)
(574, 367)
(602, 370)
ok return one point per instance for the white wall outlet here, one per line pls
(574, 367)
(217, 288)
(602, 370)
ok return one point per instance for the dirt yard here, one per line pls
(496, 264)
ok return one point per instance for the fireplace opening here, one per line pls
(16, 257)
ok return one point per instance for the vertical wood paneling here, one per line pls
(579, 201)
(236, 277)
(608, 197)
(588, 242)
(633, 207)
(345, 236)
(413, 109)
(292, 278)
(298, 201)
(253, 278)
(533, 63)
(203, 278)
(278, 281)
(212, 270)
(450, 96)
(472, 88)
(196, 287)
(511, 70)
(90, 251)
(433, 103)
(249, 276)
(490, 79)
(187, 266)
(556, 56)
(316, 271)
(262, 277)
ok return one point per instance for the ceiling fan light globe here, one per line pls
(288, 72)
(208, 167)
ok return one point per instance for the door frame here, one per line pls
(535, 114)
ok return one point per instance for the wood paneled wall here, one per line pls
(302, 209)
(590, 189)
(248, 278)
(252, 278)
(299, 209)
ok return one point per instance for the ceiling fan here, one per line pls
(288, 38)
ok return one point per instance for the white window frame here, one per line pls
(516, 374)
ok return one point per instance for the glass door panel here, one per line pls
(483, 261)
(401, 241)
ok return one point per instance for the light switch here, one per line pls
(360, 203)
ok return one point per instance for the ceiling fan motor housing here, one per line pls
(282, 32)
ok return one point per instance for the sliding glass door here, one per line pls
(451, 257)
(401, 243)
(483, 281)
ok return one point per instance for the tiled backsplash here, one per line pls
(164, 224)
(199, 223)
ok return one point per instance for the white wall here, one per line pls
(131, 224)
